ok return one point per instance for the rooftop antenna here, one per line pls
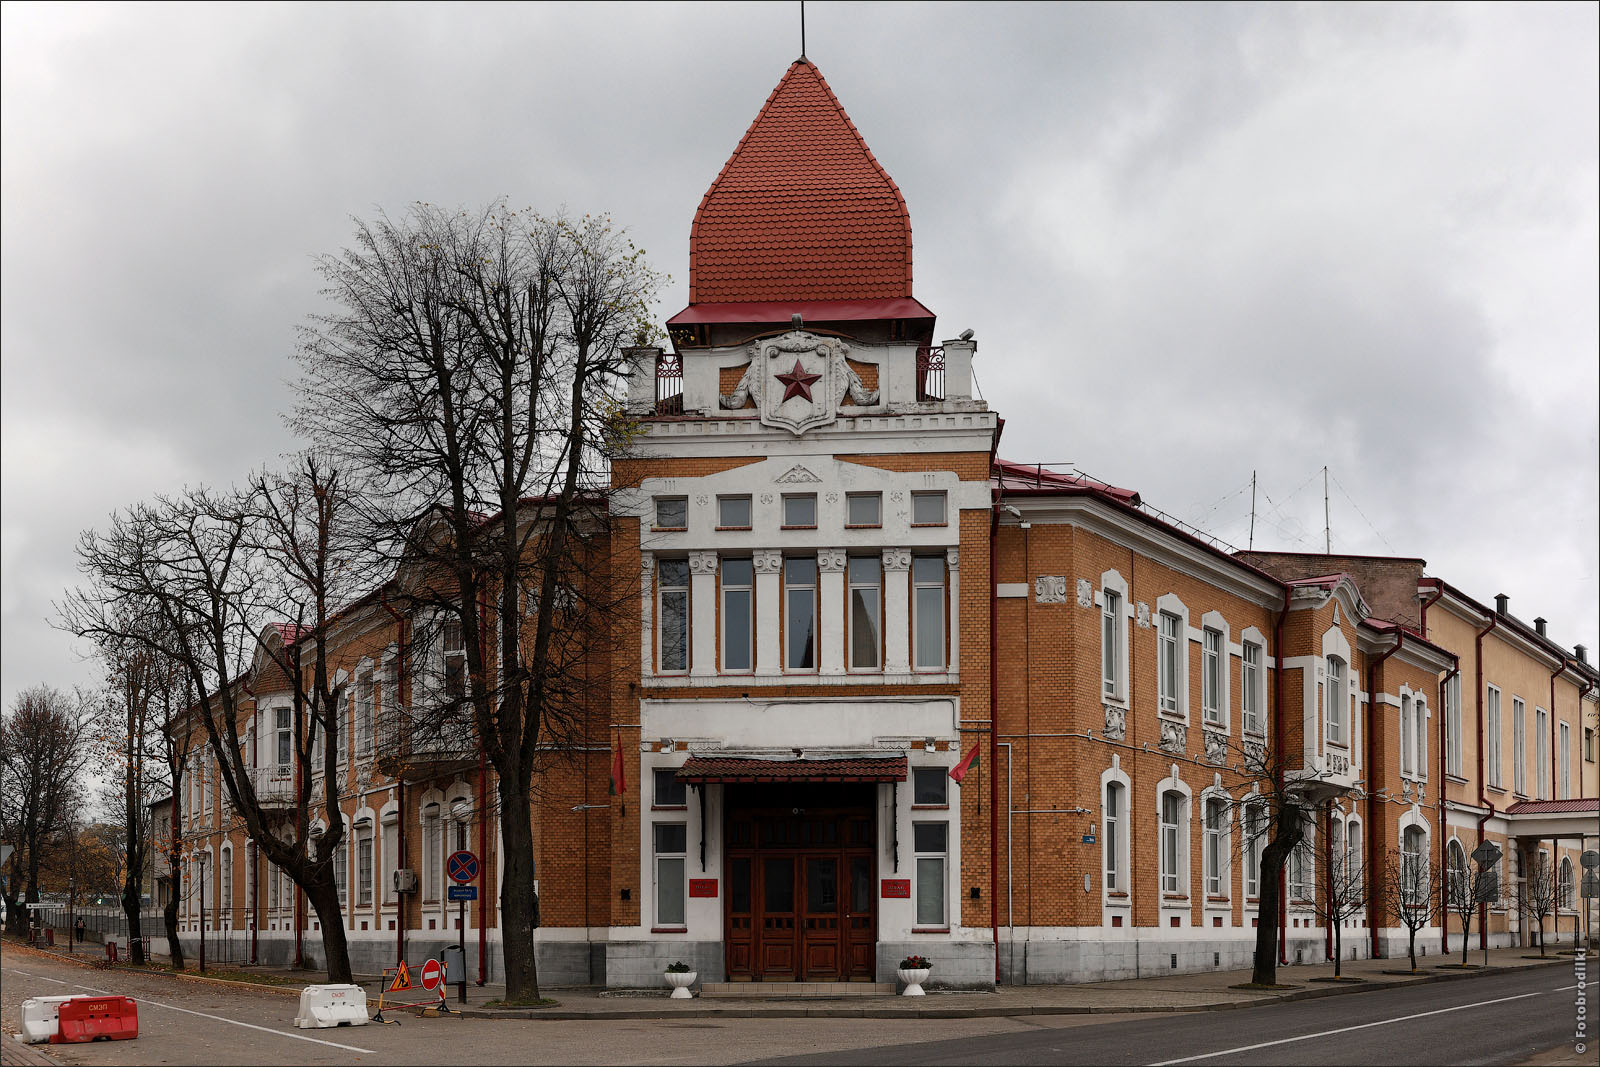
(802, 29)
(1251, 544)
(1327, 526)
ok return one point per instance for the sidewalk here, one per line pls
(1208, 991)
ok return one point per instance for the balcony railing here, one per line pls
(930, 374)
(274, 786)
(669, 384)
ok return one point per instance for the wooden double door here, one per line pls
(800, 873)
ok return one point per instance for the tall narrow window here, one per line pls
(341, 872)
(1353, 854)
(1419, 721)
(1255, 828)
(1336, 697)
(364, 865)
(1115, 834)
(1110, 650)
(283, 730)
(738, 615)
(800, 613)
(1300, 872)
(1250, 687)
(1452, 724)
(225, 889)
(1492, 737)
(1413, 866)
(364, 713)
(1211, 663)
(1541, 748)
(432, 853)
(672, 609)
(1459, 882)
(1407, 759)
(1216, 815)
(671, 847)
(1167, 652)
(391, 854)
(1519, 746)
(1564, 885)
(1171, 808)
(927, 609)
(866, 598)
(930, 844)
(1564, 761)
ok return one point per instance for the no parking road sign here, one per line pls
(462, 866)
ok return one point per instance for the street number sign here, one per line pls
(432, 975)
(462, 892)
(1485, 855)
(462, 866)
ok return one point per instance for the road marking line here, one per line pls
(1361, 1026)
(203, 1015)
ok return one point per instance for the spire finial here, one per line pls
(802, 29)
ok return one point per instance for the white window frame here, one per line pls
(671, 869)
(431, 816)
(1407, 759)
(923, 497)
(1491, 757)
(1452, 721)
(1110, 644)
(1214, 845)
(1300, 871)
(790, 589)
(749, 590)
(1251, 675)
(1541, 752)
(1335, 706)
(389, 845)
(939, 861)
(365, 848)
(918, 662)
(364, 710)
(676, 591)
(1255, 843)
(1114, 848)
(1213, 675)
(876, 600)
(1413, 859)
(1173, 842)
(1564, 760)
(1419, 722)
(728, 498)
(1519, 746)
(799, 499)
(1355, 857)
(877, 501)
(1171, 612)
(225, 887)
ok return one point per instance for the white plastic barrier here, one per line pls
(40, 1018)
(331, 1005)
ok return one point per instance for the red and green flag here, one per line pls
(959, 771)
(618, 780)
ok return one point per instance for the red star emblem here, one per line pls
(797, 382)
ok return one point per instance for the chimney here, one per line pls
(1502, 603)
(1539, 625)
(1583, 653)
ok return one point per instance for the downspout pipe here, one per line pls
(1483, 764)
(1583, 691)
(483, 818)
(1444, 784)
(1555, 778)
(1370, 767)
(1277, 763)
(994, 736)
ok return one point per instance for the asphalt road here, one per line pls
(1495, 1019)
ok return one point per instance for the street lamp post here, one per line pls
(71, 928)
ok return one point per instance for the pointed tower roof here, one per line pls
(802, 211)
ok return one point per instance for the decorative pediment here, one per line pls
(798, 380)
(797, 473)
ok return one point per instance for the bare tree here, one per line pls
(1465, 892)
(221, 571)
(1538, 894)
(1342, 889)
(471, 375)
(43, 751)
(1413, 898)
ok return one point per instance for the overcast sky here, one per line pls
(1194, 241)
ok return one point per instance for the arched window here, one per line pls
(1255, 828)
(1413, 865)
(1459, 883)
(1216, 823)
(1173, 841)
(1335, 701)
(432, 853)
(1564, 884)
(363, 830)
(1302, 867)
(1353, 854)
(1116, 816)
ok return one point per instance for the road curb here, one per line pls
(90, 965)
(801, 1011)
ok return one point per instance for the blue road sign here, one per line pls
(462, 866)
(462, 892)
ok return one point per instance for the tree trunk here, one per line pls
(1338, 948)
(1466, 929)
(519, 905)
(169, 915)
(1264, 970)
(324, 898)
(131, 900)
(1413, 931)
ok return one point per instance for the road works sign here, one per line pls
(402, 978)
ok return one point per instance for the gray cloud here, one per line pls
(1195, 241)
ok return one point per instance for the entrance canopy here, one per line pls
(1573, 817)
(840, 769)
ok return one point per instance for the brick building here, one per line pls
(885, 693)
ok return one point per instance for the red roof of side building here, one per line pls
(1013, 478)
(801, 210)
(1554, 807)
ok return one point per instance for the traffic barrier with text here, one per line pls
(96, 1018)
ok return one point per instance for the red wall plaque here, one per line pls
(702, 887)
(897, 887)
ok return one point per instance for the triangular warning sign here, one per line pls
(402, 978)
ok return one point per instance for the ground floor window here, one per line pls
(671, 847)
(930, 841)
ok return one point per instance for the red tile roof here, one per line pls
(801, 210)
(1016, 478)
(1554, 807)
(741, 769)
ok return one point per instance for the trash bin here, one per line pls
(111, 951)
(455, 969)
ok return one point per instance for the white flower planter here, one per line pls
(913, 979)
(680, 983)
